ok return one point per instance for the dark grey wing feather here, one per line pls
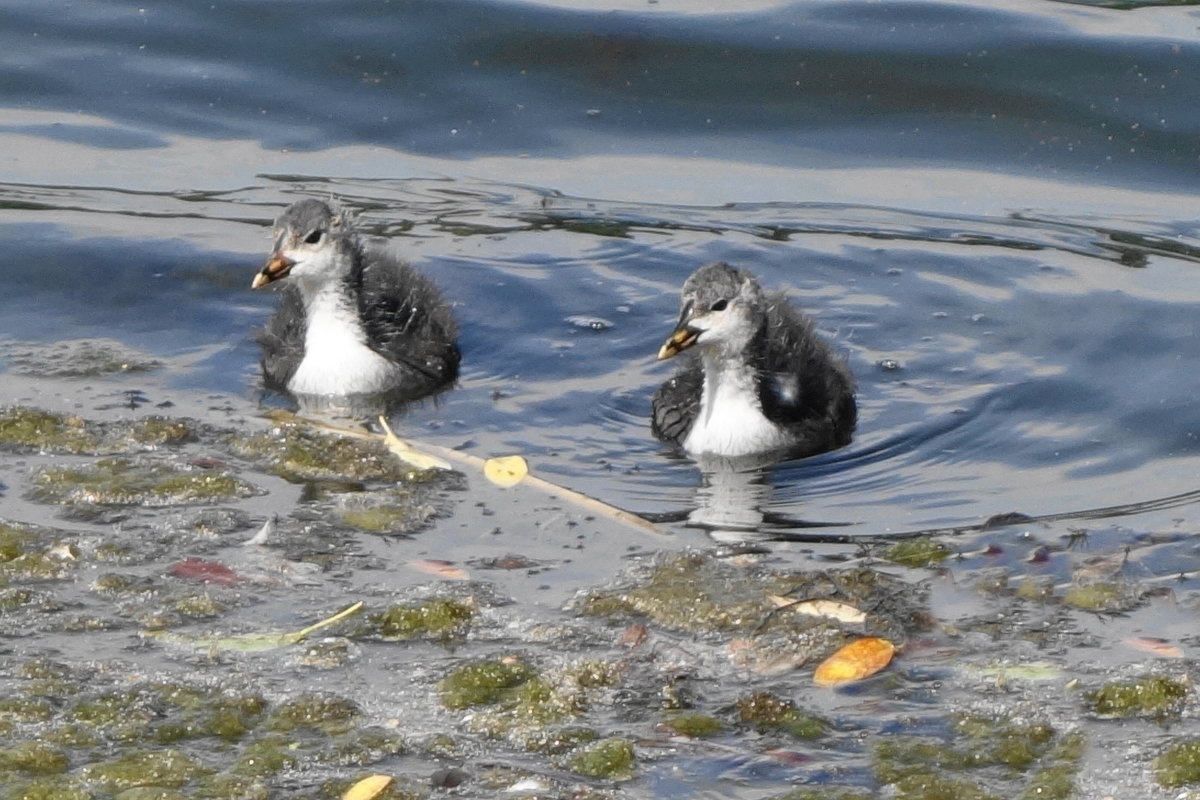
(282, 340)
(408, 322)
(804, 385)
(677, 402)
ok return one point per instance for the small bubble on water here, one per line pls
(589, 323)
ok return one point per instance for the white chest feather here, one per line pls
(337, 360)
(731, 422)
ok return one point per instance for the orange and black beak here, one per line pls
(277, 266)
(683, 337)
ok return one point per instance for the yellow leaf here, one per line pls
(409, 454)
(368, 788)
(860, 659)
(506, 471)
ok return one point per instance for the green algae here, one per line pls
(124, 482)
(25, 429)
(200, 605)
(365, 746)
(1039, 589)
(49, 788)
(928, 786)
(482, 683)
(115, 585)
(325, 712)
(1154, 696)
(1056, 780)
(265, 757)
(404, 508)
(1034, 758)
(688, 592)
(378, 519)
(152, 793)
(698, 593)
(30, 553)
(768, 713)
(593, 673)
(35, 758)
(824, 793)
(299, 454)
(26, 709)
(611, 759)
(558, 740)
(1100, 596)
(694, 725)
(161, 767)
(1179, 764)
(155, 431)
(924, 552)
(440, 618)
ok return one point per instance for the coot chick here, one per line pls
(759, 380)
(352, 321)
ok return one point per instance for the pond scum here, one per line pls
(685, 658)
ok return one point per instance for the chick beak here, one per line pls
(277, 266)
(681, 339)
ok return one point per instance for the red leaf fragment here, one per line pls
(198, 569)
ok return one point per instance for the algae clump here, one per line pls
(1178, 764)
(298, 453)
(767, 713)
(694, 725)
(24, 428)
(161, 768)
(483, 682)
(1152, 696)
(123, 482)
(325, 712)
(441, 617)
(612, 759)
(917, 553)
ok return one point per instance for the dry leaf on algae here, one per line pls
(505, 471)
(829, 609)
(368, 788)
(860, 659)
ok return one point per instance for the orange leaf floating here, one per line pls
(860, 659)
(506, 471)
(368, 788)
(440, 569)
(1155, 646)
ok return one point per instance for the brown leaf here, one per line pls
(1155, 646)
(441, 569)
(633, 636)
(857, 660)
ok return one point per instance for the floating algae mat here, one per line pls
(164, 649)
(129, 482)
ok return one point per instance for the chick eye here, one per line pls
(719, 305)
(314, 237)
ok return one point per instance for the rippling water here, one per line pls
(988, 207)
